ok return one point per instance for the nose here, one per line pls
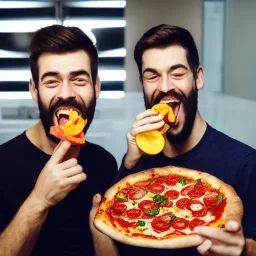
(165, 84)
(66, 91)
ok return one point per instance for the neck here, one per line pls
(37, 136)
(198, 130)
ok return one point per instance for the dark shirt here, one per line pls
(231, 161)
(66, 228)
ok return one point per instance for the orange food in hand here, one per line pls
(72, 130)
(74, 125)
(165, 110)
(164, 129)
(150, 142)
(162, 109)
(74, 140)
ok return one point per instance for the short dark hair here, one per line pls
(164, 35)
(61, 39)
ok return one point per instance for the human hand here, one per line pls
(145, 121)
(58, 178)
(226, 241)
(95, 205)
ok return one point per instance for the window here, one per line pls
(102, 21)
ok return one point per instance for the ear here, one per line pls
(33, 90)
(200, 78)
(97, 87)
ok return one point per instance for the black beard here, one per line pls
(190, 107)
(47, 115)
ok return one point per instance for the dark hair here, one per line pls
(165, 35)
(61, 39)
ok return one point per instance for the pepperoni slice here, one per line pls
(198, 190)
(172, 181)
(210, 200)
(183, 203)
(147, 205)
(172, 194)
(143, 184)
(118, 209)
(137, 194)
(197, 208)
(185, 190)
(133, 213)
(160, 180)
(195, 222)
(146, 216)
(179, 223)
(156, 188)
(161, 223)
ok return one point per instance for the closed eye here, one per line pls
(51, 83)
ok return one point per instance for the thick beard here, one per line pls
(190, 107)
(47, 114)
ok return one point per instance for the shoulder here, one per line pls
(229, 145)
(13, 145)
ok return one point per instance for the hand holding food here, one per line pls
(152, 142)
(71, 129)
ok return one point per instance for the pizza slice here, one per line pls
(160, 207)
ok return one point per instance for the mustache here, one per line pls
(179, 96)
(71, 101)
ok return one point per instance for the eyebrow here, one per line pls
(171, 68)
(50, 73)
(73, 73)
(79, 72)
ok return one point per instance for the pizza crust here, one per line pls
(101, 222)
(173, 243)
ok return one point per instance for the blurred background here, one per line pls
(224, 31)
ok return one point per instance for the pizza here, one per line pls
(160, 207)
(70, 128)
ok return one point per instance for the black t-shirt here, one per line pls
(66, 228)
(231, 161)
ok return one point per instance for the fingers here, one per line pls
(60, 152)
(204, 247)
(232, 226)
(96, 200)
(216, 248)
(146, 113)
(68, 164)
(218, 234)
(77, 178)
(72, 171)
(234, 213)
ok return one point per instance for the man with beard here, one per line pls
(170, 72)
(47, 186)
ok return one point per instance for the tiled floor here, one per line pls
(114, 117)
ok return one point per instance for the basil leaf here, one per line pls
(152, 212)
(198, 181)
(173, 216)
(120, 196)
(183, 181)
(159, 198)
(141, 223)
(220, 198)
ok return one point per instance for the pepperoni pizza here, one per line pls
(160, 207)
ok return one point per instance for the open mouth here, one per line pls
(174, 104)
(62, 114)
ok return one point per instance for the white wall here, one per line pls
(241, 49)
(141, 15)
